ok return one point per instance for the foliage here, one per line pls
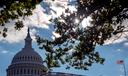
(15, 9)
(76, 45)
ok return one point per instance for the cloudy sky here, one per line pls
(39, 24)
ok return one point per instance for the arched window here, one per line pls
(21, 71)
(24, 71)
(14, 71)
(28, 71)
(17, 58)
(38, 72)
(31, 71)
(35, 71)
(25, 58)
(31, 57)
(28, 57)
(20, 58)
(34, 58)
(17, 71)
(11, 72)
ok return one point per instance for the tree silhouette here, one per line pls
(15, 9)
(76, 45)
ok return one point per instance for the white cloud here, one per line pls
(115, 40)
(14, 36)
(126, 44)
(4, 52)
(119, 50)
(86, 22)
(39, 19)
(57, 7)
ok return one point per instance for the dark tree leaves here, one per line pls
(15, 9)
(76, 45)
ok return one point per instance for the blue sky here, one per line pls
(111, 53)
(38, 22)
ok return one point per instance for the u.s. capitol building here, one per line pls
(27, 62)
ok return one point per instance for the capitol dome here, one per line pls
(27, 55)
(26, 62)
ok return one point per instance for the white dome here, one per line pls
(26, 62)
(27, 55)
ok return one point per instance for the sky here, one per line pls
(39, 23)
